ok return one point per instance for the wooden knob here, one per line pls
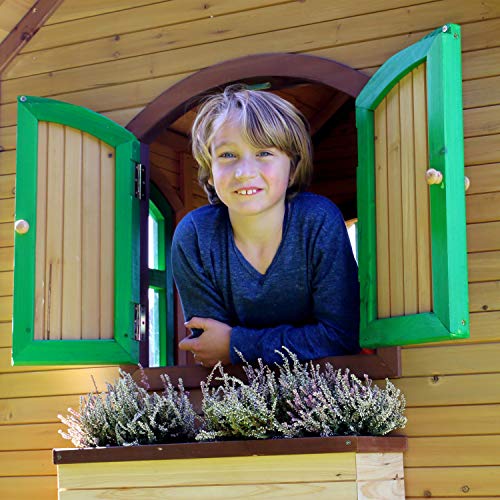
(433, 176)
(21, 226)
(467, 182)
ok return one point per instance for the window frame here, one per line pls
(160, 279)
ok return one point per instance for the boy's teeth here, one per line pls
(247, 191)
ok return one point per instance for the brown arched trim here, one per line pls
(180, 97)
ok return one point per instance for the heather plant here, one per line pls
(306, 406)
(126, 414)
(365, 408)
(335, 402)
(298, 399)
(238, 410)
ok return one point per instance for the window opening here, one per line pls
(160, 292)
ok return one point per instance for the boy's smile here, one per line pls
(249, 180)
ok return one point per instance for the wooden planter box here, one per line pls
(338, 467)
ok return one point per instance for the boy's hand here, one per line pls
(210, 347)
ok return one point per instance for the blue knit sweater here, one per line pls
(308, 299)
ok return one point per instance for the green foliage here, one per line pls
(126, 414)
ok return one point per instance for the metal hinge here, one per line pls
(140, 181)
(140, 322)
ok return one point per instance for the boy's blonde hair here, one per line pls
(266, 120)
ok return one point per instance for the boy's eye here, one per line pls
(264, 153)
(227, 154)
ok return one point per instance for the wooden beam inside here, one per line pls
(338, 100)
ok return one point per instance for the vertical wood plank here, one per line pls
(395, 206)
(379, 466)
(91, 189)
(424, 271)
(408, 195)
(107, 229)
(382, 213)
(54, 250)
(72, 244)
(380, 475)
(186, 179)
(41, 227)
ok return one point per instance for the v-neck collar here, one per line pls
(243, 260)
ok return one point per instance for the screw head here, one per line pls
(23, 98)
(348, 443)
(445, 28)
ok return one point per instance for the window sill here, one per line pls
(383, 363)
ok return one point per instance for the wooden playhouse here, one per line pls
(87, 181)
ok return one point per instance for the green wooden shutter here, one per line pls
(412, 236)
(76, 269)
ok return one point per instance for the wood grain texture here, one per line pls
(449, 481)
(91, 241)
(450, 390)
(7, 210)
(453, 420)
(32, 437)
(382, 211)
(484, 266)
(107, 242)
(39, 487)
(56, 383)
(323, 490)
(41, 233)
(204, 472)
(346, 31)
(423, 361)
(27, 463)
(422, 206)
(72, 242)
(483, 207)
(408, 192)
(372, 490)
(484, 178)
(6, 282)
(482, 237)
(379, 466)
(38, 409)
(394, 194)
(484, 296)
(6, 234)
(453, 451)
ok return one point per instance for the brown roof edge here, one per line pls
(25, 29)
(294, 446)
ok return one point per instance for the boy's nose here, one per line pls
(246, 169)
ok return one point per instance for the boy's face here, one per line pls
(248, 180)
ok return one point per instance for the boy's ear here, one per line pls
(210, 181)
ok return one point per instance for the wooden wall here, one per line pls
(115, 56)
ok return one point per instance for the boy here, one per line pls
(265, 265)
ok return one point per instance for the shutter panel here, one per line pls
(76, 269)
(412, 238)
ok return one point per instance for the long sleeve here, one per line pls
(199, 295)
(333, 328)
